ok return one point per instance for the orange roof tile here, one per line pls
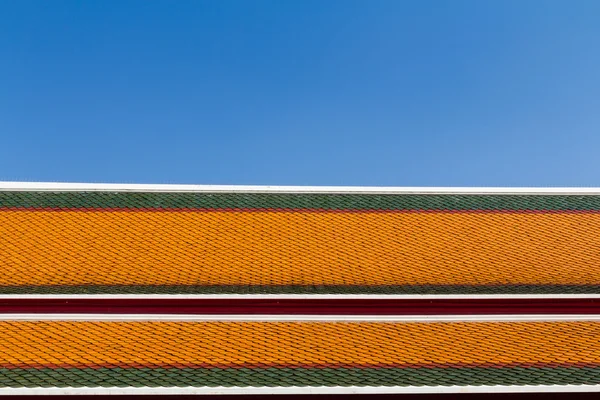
(79, 344)
(206, 249)
(178, 348)
(148, 242)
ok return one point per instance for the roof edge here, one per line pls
(126, 187)
(302, 318)
(333, 296)
(297, 390)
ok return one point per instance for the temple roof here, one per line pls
(236, 354)
(204, 258)
(280, 242)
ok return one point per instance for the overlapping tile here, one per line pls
(298, 353)
(88, 242)
(146, 243)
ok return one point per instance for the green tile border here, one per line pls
(170, 200)
(296, 289)
(246, 377)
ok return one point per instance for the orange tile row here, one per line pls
(227, 344)
(297, 248)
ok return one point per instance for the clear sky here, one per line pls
(305, 92)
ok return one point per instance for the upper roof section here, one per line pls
(173, 239)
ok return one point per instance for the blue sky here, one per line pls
(306, 92)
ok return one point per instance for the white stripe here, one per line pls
(298, 390)
(299, 318)
(119, 187)
(302, 296)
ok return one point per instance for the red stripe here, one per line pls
(292, 210)
(249, 306)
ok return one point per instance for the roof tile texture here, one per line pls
(208, 247)
(63, 344)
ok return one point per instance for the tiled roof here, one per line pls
(298, 353)
(241, 289)
(97, 242)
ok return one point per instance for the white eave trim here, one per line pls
(296, 390)
(119, 187)
(229, 296)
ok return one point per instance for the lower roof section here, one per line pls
(254, 357)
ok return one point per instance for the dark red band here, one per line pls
(472, 306)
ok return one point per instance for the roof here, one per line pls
(237, 354)
(382, 242)
(171, 289)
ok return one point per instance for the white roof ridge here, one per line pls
(182, 188)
